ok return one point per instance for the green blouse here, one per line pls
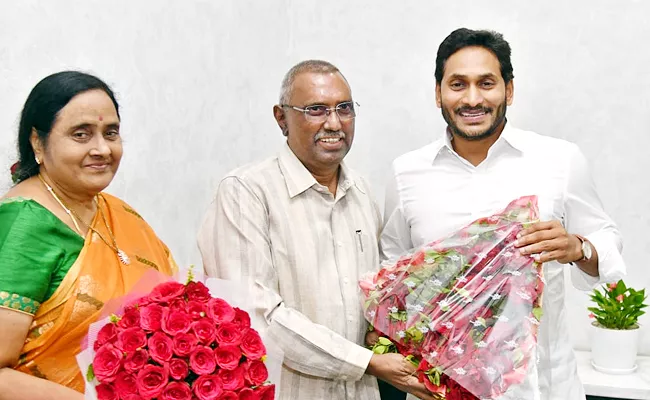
(36, 252)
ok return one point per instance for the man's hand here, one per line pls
(396, 370)
(371, 338)
(549, 241)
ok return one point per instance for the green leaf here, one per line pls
(412, 360)
(90, 374)
(415, 334)
(385, 341)
(538, 312)
(613, 314)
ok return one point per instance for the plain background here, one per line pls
(197, 80)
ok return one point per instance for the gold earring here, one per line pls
(37, 160)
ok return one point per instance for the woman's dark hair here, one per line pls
(463, 37)
(43, 104)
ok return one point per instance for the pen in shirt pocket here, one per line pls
(360, 240)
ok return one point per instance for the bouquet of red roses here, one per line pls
(465, 309)
(176, 343)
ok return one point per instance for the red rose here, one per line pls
(232, 380)
(202, 361)
(133, 397)
(242, 319)
(457, 392)
(136, 360)
(228, 357)
(125, 384)
(176, 391)
(130, 318)
(266, 392)
(178, 369)
(160, 347)
(204, 330)
(139, 302)
(151, 317)
(248, 394)
(252, 346)
(177, 305)
(256, 373)
(107, 362)
(228, 334)
(220, 311)
(108, 334)
(196, 310)
(106, 391)
(152, 380)
(184, 344)
(175, 322)
(207, 387)
(131, 339)
(418, 258)
(229, 396)
(166, 292)
(197, 291)
(423, 377)
(14, 168)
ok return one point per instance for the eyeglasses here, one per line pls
(320, 113)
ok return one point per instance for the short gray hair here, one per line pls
(315, 66)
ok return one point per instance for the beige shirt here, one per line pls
(302, 250)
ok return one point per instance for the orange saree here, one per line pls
(96, 277)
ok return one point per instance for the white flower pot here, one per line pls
(614, 351)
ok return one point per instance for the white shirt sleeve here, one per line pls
(585, 216)
(235, 245)
(396, 235)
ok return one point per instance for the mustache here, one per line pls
(486, 110)
(331, 134)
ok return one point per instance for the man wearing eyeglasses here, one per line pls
(481, 163)
(300, 229)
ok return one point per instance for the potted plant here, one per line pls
(615, 335)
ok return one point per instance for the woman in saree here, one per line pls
(66, 248)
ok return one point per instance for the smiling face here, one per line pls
(320, 146)
(473, 95)
(84, 148)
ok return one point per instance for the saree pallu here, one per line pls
(97, 276)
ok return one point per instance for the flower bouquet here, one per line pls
(464, 309)
(178, 342)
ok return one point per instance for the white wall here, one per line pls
(197, 80)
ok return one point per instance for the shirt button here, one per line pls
(350, 319)
(346, 280)
(340, 244)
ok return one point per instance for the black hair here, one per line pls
(463, 37)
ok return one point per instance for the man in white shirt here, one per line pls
(300, 229)
(478, 166)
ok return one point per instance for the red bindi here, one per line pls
(101, 118)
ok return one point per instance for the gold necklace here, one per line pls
(120, 253)
(66, 209)
(124, 258)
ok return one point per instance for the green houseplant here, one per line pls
(615, 333)
(617, 306)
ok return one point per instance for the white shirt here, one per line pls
(434, 192)
(303, 250)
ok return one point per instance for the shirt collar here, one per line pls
(298, 178)
(508, 136)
